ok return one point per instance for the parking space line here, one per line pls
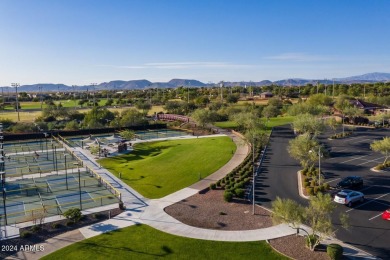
(371, 161)
(355, 158)
(371, 200)
(375, 216)
(333, 180)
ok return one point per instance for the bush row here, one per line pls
(236, 181)
(382, 166)
(340, 135)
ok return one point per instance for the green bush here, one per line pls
(316, 189)
(25, 234)
(311, 240)
(334, 251)
(35, 228)
(55, 225)
(312, 183)
(326, 186)
(239, 193)
(310, 190)
(98, 216)
(69, 223)
(228, 196)
(306, 184)
(213, 186)
(73, 214)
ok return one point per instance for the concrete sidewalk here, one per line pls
(151, 212)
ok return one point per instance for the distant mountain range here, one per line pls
(145, 84)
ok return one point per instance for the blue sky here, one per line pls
(85, 41)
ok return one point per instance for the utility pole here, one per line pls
(16, 85)
(333, 90)
(74, 96)
(221, 85)
(93, 89)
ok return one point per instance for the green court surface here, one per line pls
(157, 169)
(30, 157)
(52, 195)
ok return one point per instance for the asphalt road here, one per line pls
(350, 156)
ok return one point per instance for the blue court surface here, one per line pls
(60, 183)
(73, 199)
(12, 189)
(13, 209)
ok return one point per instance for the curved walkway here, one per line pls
(151, 212)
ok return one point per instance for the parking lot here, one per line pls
(350, 156)
(353, 156)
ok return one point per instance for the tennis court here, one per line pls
(17, 209)
(142, 135)
(31, 157)
(50, 195)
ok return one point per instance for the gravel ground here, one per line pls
(209, 210)
(294, 247)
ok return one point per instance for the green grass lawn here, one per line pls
(160, 168)
(274, 121)
(144, 242)
(277, 121)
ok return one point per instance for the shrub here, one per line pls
(73, 214)
(304, 171)
(218, 183)
(379, 167)
(69, 223)
(326, 186)
(310, 190)
(35, 228)
(239, 192)
(228, 196)
(311, 240)
(334, 251)
(55, 225)
(316, 189)
(222, 213)
(98, 216)
(306, 184)
(213, 186)
(25, 234)
(312, 183)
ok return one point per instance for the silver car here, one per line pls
(348, 197)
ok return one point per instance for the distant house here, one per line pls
(266, 95)
(367, 107)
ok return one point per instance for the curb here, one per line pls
(300, 186)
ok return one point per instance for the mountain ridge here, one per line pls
(173, 83)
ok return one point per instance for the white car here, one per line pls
(348, 197)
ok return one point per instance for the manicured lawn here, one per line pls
(277, 121)
(144, 242)
(160, 168)
(226, 124)
(274, 121)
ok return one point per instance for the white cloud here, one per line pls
(297, 56)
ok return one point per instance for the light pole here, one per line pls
(319, 163)
(66, 172)
(253, 172)
(16, 85)
(47, 151)
(78, 170)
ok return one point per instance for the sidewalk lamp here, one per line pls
(319, 163)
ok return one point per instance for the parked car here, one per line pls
(386, 214)
(348, 197)
(350, 182)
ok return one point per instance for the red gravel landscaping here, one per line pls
(209, 210)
